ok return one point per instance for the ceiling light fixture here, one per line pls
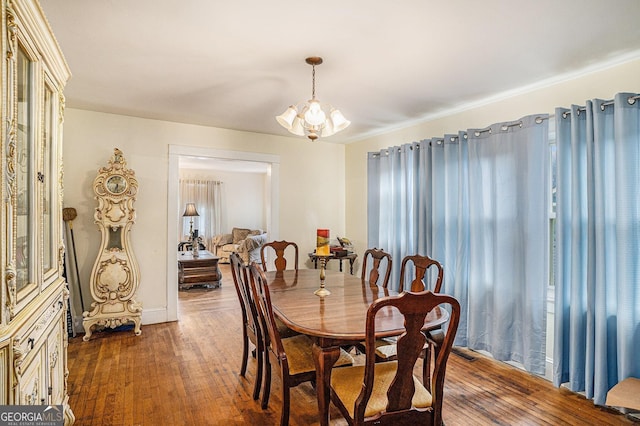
(312, 121)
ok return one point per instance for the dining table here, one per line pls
(335, 320)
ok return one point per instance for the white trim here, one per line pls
(173, 214)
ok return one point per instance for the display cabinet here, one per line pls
(33, 341)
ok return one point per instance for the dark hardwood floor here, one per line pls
(186, 373)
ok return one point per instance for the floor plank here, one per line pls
(187, 373)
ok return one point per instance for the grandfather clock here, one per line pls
(115, 276)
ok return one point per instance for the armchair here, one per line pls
(245, 242)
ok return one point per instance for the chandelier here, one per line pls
(312, 120)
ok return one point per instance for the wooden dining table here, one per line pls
(335, 320)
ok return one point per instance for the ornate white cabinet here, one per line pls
(33, 342)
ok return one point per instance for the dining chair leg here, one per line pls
(245, 352)
(259, 359)
(286, 395)
(266, 390)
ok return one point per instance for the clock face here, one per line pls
(116, 184)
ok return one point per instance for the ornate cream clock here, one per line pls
(115, 276)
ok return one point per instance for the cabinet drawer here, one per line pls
(34, 334)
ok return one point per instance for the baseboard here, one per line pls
(155, 316)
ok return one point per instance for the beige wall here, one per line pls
(311, 188)
(602, 84)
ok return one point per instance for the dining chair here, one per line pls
(279, 247)
(291, 356)
(376, 257)
(251, 331)
(389, 392)
(386, 348)
(421, 265)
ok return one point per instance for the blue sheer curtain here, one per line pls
(478, 205)
(597, 320)
(508, 240)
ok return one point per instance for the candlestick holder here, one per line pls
(322, 291)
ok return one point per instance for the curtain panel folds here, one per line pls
(597, 297)
(477, 202)
(207, 196)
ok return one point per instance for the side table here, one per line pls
(350, 256)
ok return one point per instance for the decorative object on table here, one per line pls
(195, 243)
(245, 242)
(322, 242)
(346, 244)
(115, 276)
(322, 291)
(322, 252)
(312, 121)
(190, 212)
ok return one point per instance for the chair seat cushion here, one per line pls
(386, 350)
(300, 356)
(347, 384)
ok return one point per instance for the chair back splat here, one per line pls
(376, 257)
(421, 264)
(279, 247)
(251, 331)
(389, 392)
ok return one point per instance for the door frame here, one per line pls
(173, 209)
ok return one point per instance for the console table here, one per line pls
(350, 256)
(199, 270)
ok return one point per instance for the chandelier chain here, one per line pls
(313, 81)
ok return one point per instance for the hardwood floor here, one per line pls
(186, 373)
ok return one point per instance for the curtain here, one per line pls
(597, 302)
(477, 203)
(207, 196)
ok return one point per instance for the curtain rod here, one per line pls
(453, 138)
(630, 100)
(506, 127)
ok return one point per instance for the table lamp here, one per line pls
(190, 211)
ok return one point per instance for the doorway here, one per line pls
(272, 198)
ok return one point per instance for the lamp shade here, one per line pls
(286, 118)
(339, 122)
(190, 210)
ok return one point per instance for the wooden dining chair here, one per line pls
(376, 257)
(421, 265)
(279, 247)
(291, 356)
(389, 392)
(386, 348)
(251, 332)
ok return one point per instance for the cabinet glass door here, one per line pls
(24, 174)
(47, 179)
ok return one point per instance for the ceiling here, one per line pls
(237, 64)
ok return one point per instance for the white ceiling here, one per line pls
(237, 64)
